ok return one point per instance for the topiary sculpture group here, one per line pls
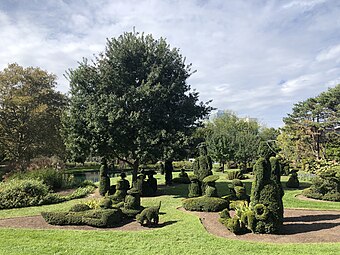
(264, 214)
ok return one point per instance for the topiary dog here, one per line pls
(149, 216)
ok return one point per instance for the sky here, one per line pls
(254, 57)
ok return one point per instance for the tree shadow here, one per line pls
(163, 224)
(312, 218)
(291, 229)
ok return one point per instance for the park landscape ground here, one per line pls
(310, 227)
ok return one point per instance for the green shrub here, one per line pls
(177, 165)
(79, 208)
(232, 224)
(326, 186)
(183, 180)
(21, 193)
(62, 218)
(293, 181)
(49, 176)
(104, 180)
(234, 174)
(225, 214)
(205, 204)
(105, 203)
(236, 182)
(95, 218)
(194, 187)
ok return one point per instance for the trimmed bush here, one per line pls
(181, 180)
(237, 182)
(326, 186)
(293, 181)
(104, 182)
(205, 204)
(234, 174)
(79, 208)
(194, 187)
(96, 218)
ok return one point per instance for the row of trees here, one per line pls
(133, 103)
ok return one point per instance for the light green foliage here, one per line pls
(133, 102)
(30, 113)
(232, 138)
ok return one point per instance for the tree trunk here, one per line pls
(135, 170)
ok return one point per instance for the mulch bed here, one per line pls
(300, 226)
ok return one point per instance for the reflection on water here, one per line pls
(80, 177)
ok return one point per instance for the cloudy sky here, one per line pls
(254, 57)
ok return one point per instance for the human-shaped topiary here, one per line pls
(194, 187)
(104, 182)
(293, 181)
(122, 187)
(202, 165)
(266, 196)
(210, 186)
(168, 169)
(152, 181)
(132, 205)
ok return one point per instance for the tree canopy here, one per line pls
(132, 102)
(230, 138)
(30, 112)
(310, 130)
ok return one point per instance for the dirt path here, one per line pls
(300, 226)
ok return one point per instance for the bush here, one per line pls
(181, 180)
(95, 218)
(49, 176)
(177, 165)
(205, 204)
(80, 208)
(234, 174)
(326, 186)
(237, 182)
(293, 181)
(21, 193)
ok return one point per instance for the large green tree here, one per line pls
(30, 113)
(132, 102)
(310, 130)
(229, 137)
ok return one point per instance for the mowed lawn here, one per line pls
(182, 233)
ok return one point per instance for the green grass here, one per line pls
(182, 234)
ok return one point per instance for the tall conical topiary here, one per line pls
(104, 182)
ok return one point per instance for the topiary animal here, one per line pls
(149, 216)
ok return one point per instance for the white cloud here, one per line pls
(254, 57)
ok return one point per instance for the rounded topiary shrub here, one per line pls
(293, 181)
(205, 204)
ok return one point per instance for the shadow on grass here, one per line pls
(161, 225)
(291, 229)
(312, 218)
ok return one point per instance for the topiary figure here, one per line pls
(132, 204)
(105, 203)
(202, 165)
(293, 181)
(122, 187)
(79, 208)
(194, 187)
(104, 180)
(168, 169)
(205, 204)
(149, 216)
(237, 182)
(151, 182)
(210, 187)
(267, 191)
